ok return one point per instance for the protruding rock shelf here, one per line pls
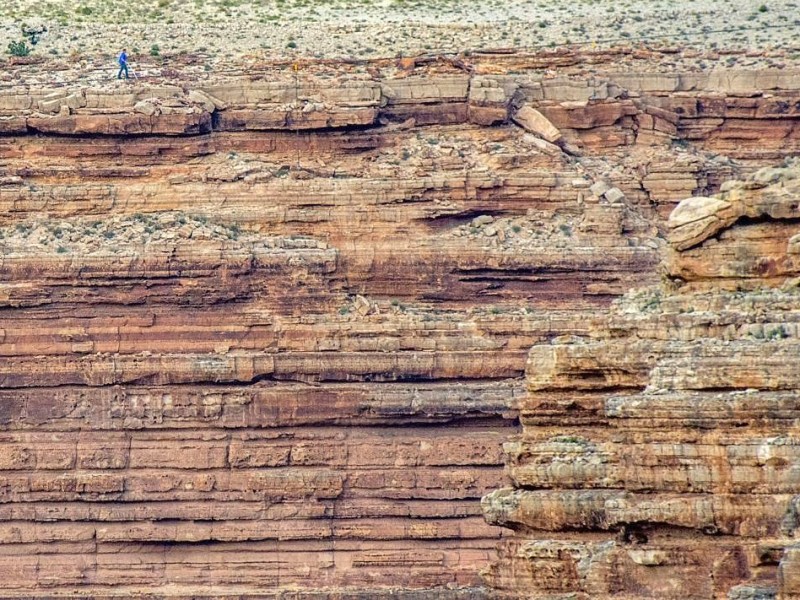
(659, 454)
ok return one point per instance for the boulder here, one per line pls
(599, 188)
(696, 219)
(482, 220)
(146, 108)
(614, 195)
(532, 120)
(694, 209)
(207, 101)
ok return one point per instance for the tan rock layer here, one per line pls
(657, 458)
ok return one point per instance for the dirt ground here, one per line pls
(225, 29)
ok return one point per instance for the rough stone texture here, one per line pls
(658, 456)
(532, 120)
(264, 336)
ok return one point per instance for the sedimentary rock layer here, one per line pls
(658, 457)
(264, 335)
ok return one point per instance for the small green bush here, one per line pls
(18, 49)
(155, 50)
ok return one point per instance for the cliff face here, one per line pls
(266, 334)
(658, 457)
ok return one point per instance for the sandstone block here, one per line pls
(532, 120)
(75, 101)
(202, 99)
(696, 219)
(541, 145)
(145, 108)
(208, 101)
(614, 195)
(482, 220)
(50, 106)
(599, 188)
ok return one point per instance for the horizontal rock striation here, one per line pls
(658, 457)
(264, 335)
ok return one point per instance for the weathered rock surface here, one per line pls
(266, 335)
(658, 456)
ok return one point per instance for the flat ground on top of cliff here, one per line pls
(223, 29)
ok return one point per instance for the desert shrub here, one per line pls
(18, 49)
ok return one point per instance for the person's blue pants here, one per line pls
(123, 67)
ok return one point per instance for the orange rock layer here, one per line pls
(265, 337)
(658, 454)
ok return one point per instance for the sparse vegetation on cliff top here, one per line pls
(362, 29)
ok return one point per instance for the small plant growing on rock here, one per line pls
(234, 231)
(18, 49)
(155, 50)
(568, 439)
(652, 303)
(777, 333)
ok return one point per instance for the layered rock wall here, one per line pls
(266, 335)
(657, 455)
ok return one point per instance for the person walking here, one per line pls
(123, 64)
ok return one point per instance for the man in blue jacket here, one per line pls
(123, 64)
